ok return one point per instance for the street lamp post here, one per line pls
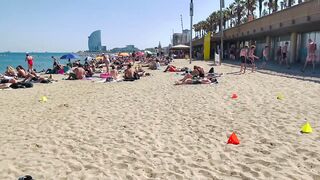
(191, 16)
(221, 30)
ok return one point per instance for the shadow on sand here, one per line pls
(275, 69)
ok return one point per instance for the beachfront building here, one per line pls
(295, 25)
(128, 48)
(94, 41)
(183, 38)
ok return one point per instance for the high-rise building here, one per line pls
(181, 38)
(94, 41)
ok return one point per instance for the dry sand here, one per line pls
(151, 129)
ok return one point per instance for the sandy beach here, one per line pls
(152, 129)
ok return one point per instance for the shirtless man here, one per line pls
(129, 72)
(285, 55)
(311, 57)
(78, 73)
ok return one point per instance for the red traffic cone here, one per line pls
(233, 139)
(234, 96)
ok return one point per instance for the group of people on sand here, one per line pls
(20, 78)
(248, 57)
(195, 76)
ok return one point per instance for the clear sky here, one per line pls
(64, 25)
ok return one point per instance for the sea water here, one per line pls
(41, 60)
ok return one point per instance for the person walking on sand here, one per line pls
(243, 59)
(265, 57)
(252, 57)
(311, 56)
(29, 60)
(285, 55)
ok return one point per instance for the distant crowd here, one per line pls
(248, 57)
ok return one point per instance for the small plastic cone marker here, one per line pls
(306, 128)
(234, 96)
(280, 97)
(233, 139)
(43, 99)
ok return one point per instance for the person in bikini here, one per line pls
(21, 72)
(29, 59)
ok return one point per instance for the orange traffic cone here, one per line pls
(233, 139)
(234, 96)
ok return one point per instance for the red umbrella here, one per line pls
(139, 54)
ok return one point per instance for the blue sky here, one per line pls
(64, 25)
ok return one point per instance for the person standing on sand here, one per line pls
(29, 59)
(243, 59)
(311, 57)
(285, 55)
(265, 57)
(252, 57)
(106, 61)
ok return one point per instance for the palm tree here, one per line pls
(232, 15)
(197, 29)
(260, 7)
(251, 6)
(239, 8)
(275, 6)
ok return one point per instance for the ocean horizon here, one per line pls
(42, 60)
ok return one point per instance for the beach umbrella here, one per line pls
(69, 56)
(99, 58)
(148, 52)
(124, 54)
(139, 54)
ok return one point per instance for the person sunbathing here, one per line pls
(172, 68)
(78, 73)
(6, 79)
(208, 80)
(89, 71)
(198, 71)
(140, 71)
(114, 73)
(37, 79)
(129, 73)
(22, 73)
(10, 71)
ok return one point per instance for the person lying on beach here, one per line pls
(77, 74)
(7, 79)
(198, 71)
(37, 79)
(172, 68)
(22, 73)
(10, 71)
(206, 80)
